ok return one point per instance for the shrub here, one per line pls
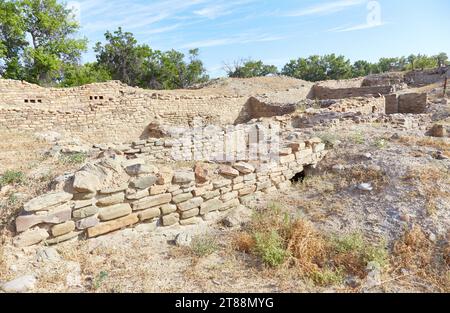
(269, 246)
(329, 139)
(74, 159)
(358, 138)
(11, 177)
(203, 245)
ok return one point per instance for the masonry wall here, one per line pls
(414, 103)
(322, 93)
(108, 112)
(114, 193)
(426, 77)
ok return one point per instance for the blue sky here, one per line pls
(273, 31)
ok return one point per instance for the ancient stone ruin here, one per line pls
(150, 165)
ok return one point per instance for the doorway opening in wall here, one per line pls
(298, 178)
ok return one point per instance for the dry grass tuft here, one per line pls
(429, 183)
(307, 246)
(281, 241)
(243, 242)
(442, 144)
(362, 174)
(428, 260)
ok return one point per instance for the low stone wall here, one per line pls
(426, 77)
(115, 192)
(322, 93)
(414, 103)
(109, 112)
(361, 105)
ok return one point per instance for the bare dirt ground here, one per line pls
(403, 211)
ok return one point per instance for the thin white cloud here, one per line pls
(241, 39)
(342, 29)
(102, 15)
(326, 8)
(213, 12)
(218, 9)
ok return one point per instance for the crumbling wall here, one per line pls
(384, 79)
(421, 78)
(361, 105)
(414, 103)
(114, 193)
(257, 107)
(322, 93)
(110, 111)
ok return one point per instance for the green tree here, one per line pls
(139, 65)
(249, 68)
(361, 68)
(310, 69)
(51, 27)
(388, 64)
(12, 40)
(122, 56)
(316, 68)
(442, 59)
(77, 75)
(423, 61)
(177, 73)
(412, 62)
(337, 67)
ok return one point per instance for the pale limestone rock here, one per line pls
(152, 201)
(113, 225)
(114, 211)
(30, 237)
(46, 201)
(62, 229)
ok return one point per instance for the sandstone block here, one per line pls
(114, 211)
(143, 182)
(168, 208)
(46, 201)
(111, 199)
(210, 205)
(152, 201)
(62, 229)
(230, 204)
(171, 219)
(183, 177)
(82, 204)
(30, 237)
(222, 183)
(182, 197)
(137, 195)
(86, 182)
(85, 212)
(244, 168)
(190, 204)
(211, 194)
(149, 214)
(56, 240)
(88, 222)
(140, 169)
(104, 228)
(228, 171)
(229, 196)
(55, 216)
(189, 213)
(247, 190)
(201, 173)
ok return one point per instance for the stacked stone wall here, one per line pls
(114, 193)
